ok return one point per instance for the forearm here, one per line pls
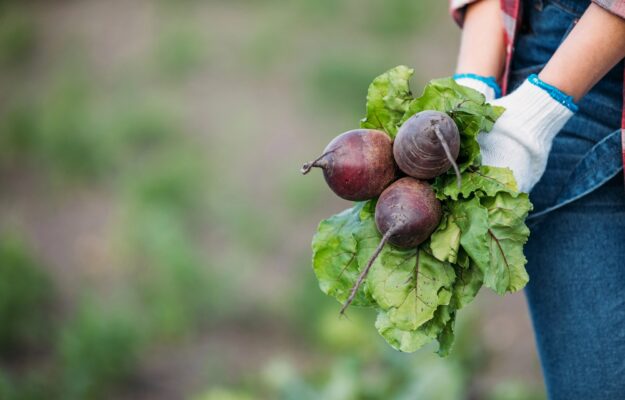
(482, 48)
(594, 46)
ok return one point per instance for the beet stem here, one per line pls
(441, 139)
(315, 163)
(416, 276)
(365, 271)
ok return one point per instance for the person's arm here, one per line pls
(535, 112)
(482, 53)
(594, 46)
(482, 48)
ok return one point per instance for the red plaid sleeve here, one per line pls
(616, 7)
(457, 8)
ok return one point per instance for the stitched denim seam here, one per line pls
(583, 159)
(594, 171)
(579, 196)
(565, 8)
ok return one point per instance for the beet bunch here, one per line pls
(362, 165)
(430, 225)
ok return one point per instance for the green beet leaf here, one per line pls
(410, 285)
(339, 243)
(388, 99)
(412, 340)
(472, 219)
(493, 233)
(463, 258)
(468, 283)
(446, 336)
(507, 233)
(445, 240)
(484, 180)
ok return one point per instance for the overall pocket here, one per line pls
(597, 167)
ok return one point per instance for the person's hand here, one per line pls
(486, 85)
(521, 138)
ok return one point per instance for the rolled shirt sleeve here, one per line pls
(616, 7)
(458, 7)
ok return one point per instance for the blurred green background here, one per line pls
(154, 227)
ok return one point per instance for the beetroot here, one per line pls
(357, 165)
(427, 145)
(406, 214)
(408, 211)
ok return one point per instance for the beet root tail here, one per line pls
(365, 271)
(443, 142)
(317, 163)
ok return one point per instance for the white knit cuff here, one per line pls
(482, 87)
(538, 114)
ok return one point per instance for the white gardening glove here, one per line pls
(486, 85)
(521, 138)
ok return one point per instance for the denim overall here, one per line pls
(576, 250)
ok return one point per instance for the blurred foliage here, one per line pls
(180, 50)
(171, 279)
(57, 131)
(76, 136)
(97, 349)
(340, 84)
(33, 386)
(199, 219)
(69, 141)
(17, 36)
(516, 390)
(166, 180)
(25, 294)
(378, 373)
(397, 18)
(18, 132)
(224, 394)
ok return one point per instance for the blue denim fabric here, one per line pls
(576, 251)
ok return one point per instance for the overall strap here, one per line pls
(511, 14)
(623, 124)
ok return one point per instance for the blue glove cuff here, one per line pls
(489, 80)
(554, 92)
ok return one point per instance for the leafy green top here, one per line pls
(479, 240)
(388, 100)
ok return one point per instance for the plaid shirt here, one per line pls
(511, 12)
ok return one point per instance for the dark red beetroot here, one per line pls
(357, 165)
(427, 145)
(406, 214)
